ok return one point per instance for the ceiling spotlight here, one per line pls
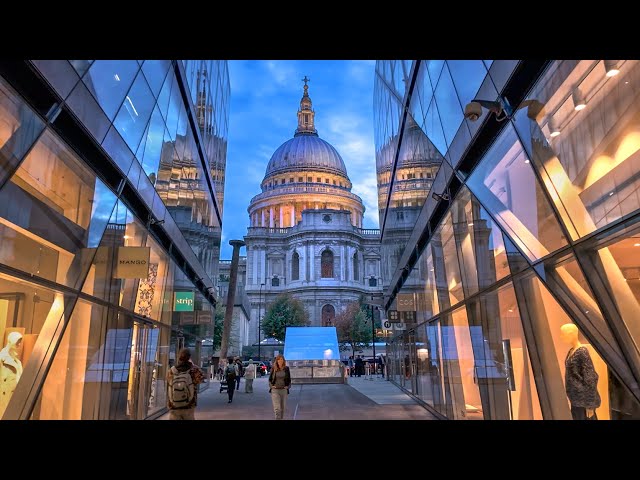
(554, 131)
(579, 101)
(611, 67)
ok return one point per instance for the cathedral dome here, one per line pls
(306, 152)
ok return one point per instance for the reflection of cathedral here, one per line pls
(306, 236)
(418, 163)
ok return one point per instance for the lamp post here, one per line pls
(259, 320)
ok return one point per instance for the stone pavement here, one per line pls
(360, 399)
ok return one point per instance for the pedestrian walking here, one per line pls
(279, 384)
(230, 374)
(240, 370)
(249, 375)
(182, 387)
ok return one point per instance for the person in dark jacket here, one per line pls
(184, 364)
(279, 384)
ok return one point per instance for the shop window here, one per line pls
(572, 373)
(589, 159)
(505, 184)
(25, 309)
(502, 365)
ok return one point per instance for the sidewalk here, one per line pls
(359, 399)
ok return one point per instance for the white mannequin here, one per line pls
(10, 369)
(569, 335)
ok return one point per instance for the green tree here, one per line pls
(214, 330)
(353, 328)
(285, 311)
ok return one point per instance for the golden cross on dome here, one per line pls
(305, 80)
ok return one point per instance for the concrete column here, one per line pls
(311, 263)
(262, 215)
(303, 263)
(231, 296)
(281, 217)
(349, 264)
(343, 254)
(293, 215)
(263, 266)
(271, 217)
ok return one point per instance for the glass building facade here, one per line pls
(111, 178)
(515, 232)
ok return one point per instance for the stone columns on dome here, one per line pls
(281, 216)
(293, 215)
(271, 217)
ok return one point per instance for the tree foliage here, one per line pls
(214, 330)
(354, 327)
(285, 311)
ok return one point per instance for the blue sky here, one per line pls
(265, 97)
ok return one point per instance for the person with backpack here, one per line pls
(230, 375)
(182, 387)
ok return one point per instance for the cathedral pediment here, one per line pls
(276, 252)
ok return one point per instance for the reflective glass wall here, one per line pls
(100, 237)
(521, 260)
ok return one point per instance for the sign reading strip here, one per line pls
(183, 302)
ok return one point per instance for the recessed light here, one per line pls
(511, 310)
(636, 244)
(579, 102)
(526, 161)
(116, 77)
(611, 68)
(126, 237)
(470, 224)
(611, 194)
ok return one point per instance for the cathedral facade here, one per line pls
(305, 236)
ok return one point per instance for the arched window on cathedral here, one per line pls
(326, 264)
(356, 273)
(295, 266)
(328, 316)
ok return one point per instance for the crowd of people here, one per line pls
(184, 377)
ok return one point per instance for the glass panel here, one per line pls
(480, 244)
(81, 66)
(155, 72)
(118, 150)
(574, 376)
(590, 158)
(502, 365)
(447, 269)
(59, 74)
(88, 112)
(460, 376)
(618, 266)
(135, 111)
(109, 81)
(434, 368)
(435, 67)
(52, 210)
(427, 299)
(505, 184)
(433, 128)
(467, 77)
(448, 105)
(90, 377)
(19, 128)
(25, 309)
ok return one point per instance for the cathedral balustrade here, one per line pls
(269, 231)
(283, 190)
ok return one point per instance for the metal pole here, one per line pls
(373, 337)
(231, 295)
(260, 320)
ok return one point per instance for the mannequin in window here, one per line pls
(580, 378)
(10, 369)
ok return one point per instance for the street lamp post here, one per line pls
(373, 337)
(259, 320)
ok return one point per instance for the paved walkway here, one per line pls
(360, 399)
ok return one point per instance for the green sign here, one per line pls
(183, 302)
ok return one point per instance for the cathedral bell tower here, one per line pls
(306, 114)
